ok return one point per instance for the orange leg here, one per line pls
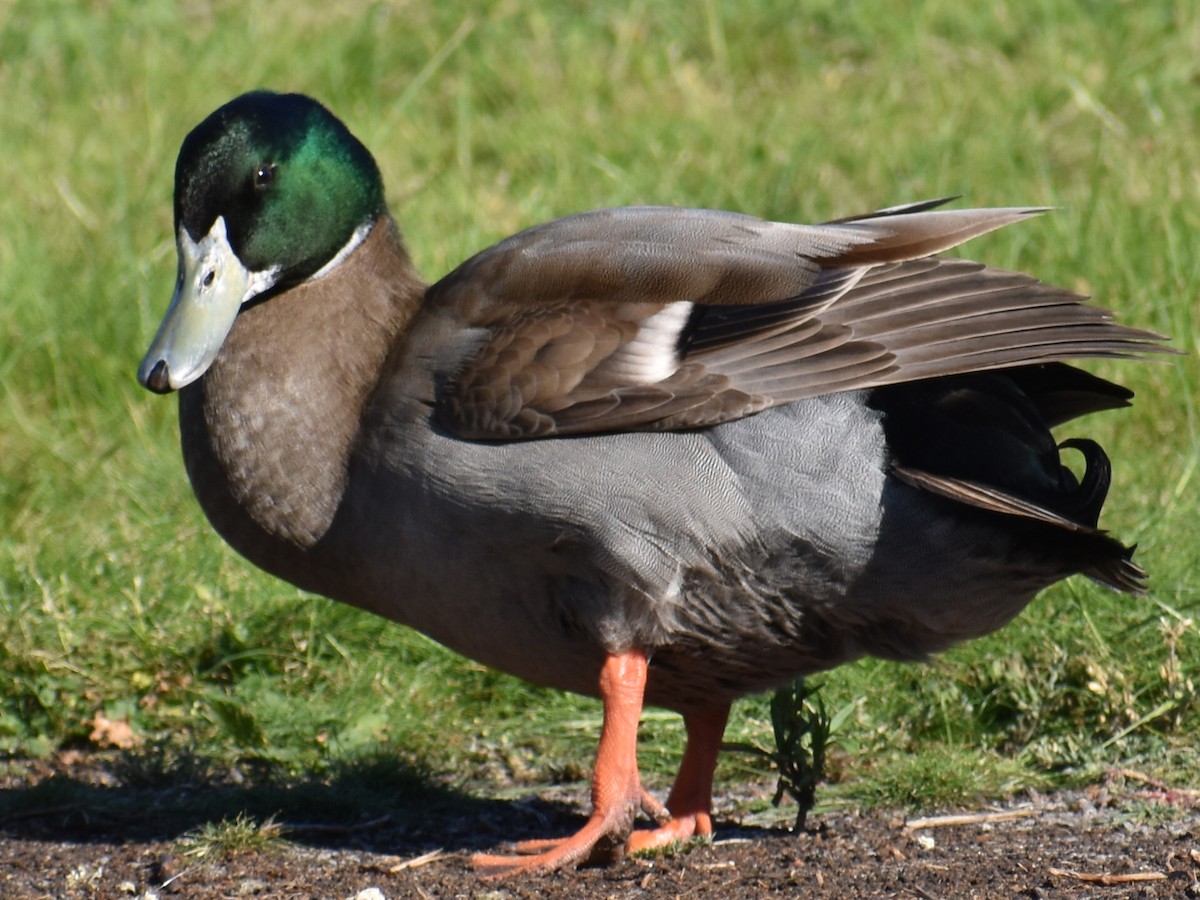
(690, 802)
(616, 787)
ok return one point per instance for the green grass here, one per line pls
(230, 837)
(116, 597)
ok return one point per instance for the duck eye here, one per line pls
(264, 177)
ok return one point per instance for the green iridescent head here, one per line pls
(271, 189)
(290, 179)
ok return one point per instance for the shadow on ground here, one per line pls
(375, 804)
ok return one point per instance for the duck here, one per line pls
(653, 455)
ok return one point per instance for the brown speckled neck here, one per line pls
(268, 430)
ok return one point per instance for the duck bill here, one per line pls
(210, 289)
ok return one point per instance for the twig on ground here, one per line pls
(1107, 878)
(1134, 775)
(417, 861)
(1157, 783)
(971, 818)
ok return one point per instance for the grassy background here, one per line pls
(117, 599)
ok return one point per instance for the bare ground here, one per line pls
(94, 831)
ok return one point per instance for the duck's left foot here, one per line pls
(678, 829)
(690, 802)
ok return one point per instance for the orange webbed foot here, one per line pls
(600, 840)
(690, 803)
(617, 793)
(677, 830)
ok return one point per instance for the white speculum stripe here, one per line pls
(652, 354)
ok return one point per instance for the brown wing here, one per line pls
(657, 318)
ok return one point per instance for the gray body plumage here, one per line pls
(736, 555)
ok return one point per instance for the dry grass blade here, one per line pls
(417, 861)
(970, 818)
(1107, 878)
(1158, 784)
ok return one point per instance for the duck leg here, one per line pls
(617, 793)
(690, 801)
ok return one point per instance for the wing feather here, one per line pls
(659, 318)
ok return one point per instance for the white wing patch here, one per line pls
(653, 353)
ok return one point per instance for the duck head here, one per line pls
(270, 190)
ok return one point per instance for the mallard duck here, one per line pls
(653, 455)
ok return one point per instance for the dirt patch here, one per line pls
(1126, 839)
